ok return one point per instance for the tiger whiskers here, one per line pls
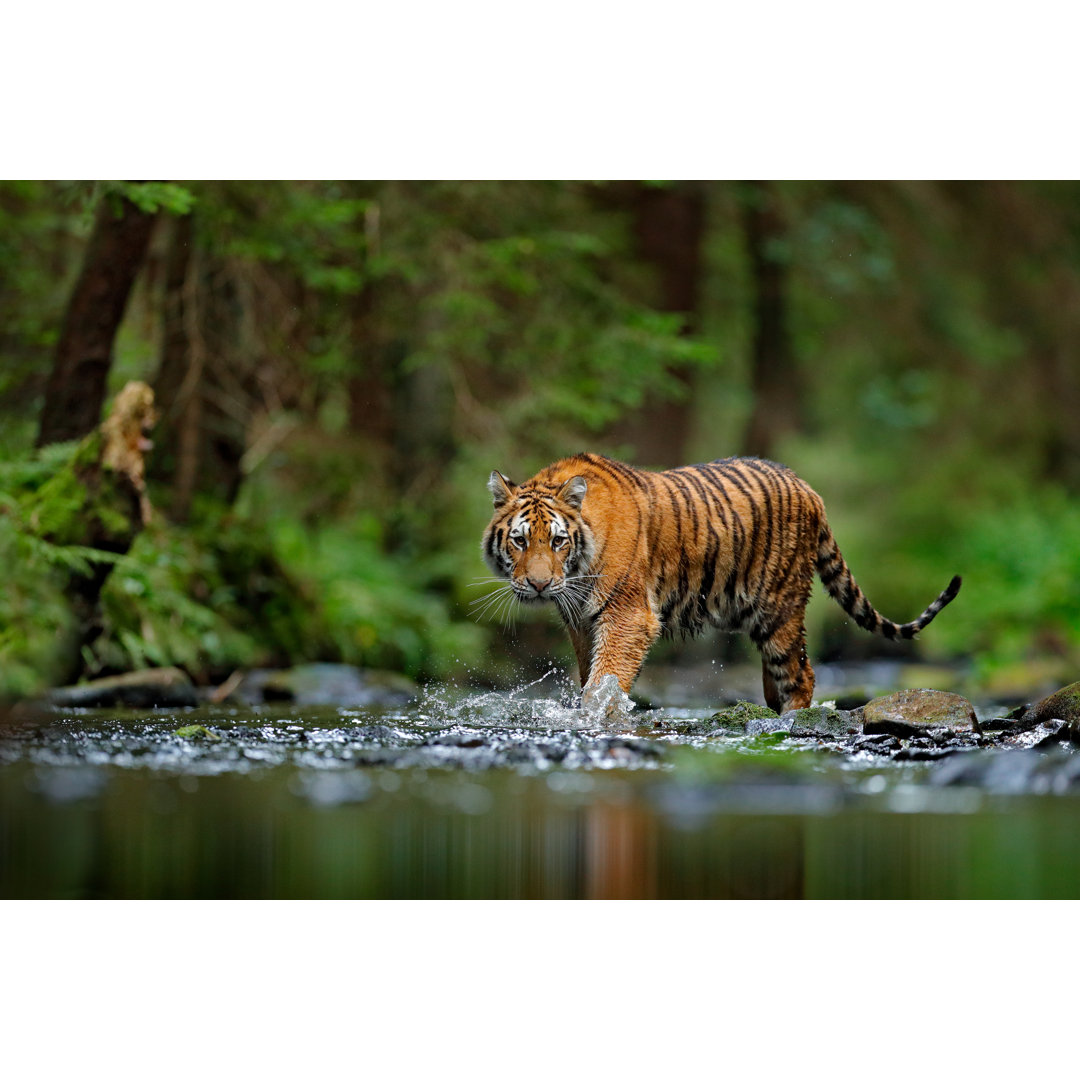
(570, 598)
(574, 595)
(499, 605)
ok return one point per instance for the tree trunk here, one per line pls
(205, 380)
(177, 386)
(669, 228)
(76, 387)
(407, 417)
(229, 399)
(370, 410)
(774, 378)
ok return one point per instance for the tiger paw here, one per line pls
(605, 700)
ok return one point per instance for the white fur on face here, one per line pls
(558, 528)
(519, 528)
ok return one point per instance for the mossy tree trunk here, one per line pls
(96, 502)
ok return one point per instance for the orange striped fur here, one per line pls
(627, 554)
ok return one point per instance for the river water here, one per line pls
(503, 795)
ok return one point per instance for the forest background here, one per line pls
(339, 366)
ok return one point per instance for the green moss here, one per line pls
(83, 503)
(738, 715)
(821, 722)
(37, 627)
(1063, 705)
(197, 731)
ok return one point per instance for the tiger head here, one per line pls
(539, 540)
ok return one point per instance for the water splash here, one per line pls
(607, 702)
(604, 705)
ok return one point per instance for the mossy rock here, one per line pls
(1062, 705)
(736, 717)
(912, 712)
(821, 722)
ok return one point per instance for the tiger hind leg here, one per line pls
(786, 674)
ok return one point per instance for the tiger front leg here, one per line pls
(621, 638)
(581, 639)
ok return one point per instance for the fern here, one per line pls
(26, 474)
(73, 558)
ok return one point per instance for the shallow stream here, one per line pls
(496, 795)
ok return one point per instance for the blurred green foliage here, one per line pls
(383, 345)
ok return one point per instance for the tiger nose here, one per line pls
(539, 586)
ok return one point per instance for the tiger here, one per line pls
(627, 554)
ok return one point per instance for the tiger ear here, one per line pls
(573, 491)
(502, 490)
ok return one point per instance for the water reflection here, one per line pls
(344, 834)
(349, 804)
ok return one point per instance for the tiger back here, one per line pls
(627, 554)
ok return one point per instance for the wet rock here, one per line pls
(379, 734)
(465, 740)
(155, 688)
(876, 744)
(1011, 772)
(851, 699)
(911, 712)
(1002, 726)
(736, 717)
(820, 722)
(522, 754)
(687, 726)
(770, 725)
(393, 757)
(328, 684)
(1063, 705)
(997, 724)
(1045, 734)
(925, 753)
(630, 746)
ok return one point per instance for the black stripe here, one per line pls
(763, 580)
(829, 576)
(496, 539)
(688, 498)
(721, 498)
(708, 574)
(735, 480)
(734, 526)
(780, 481)
(617, 470)
(696, 478)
